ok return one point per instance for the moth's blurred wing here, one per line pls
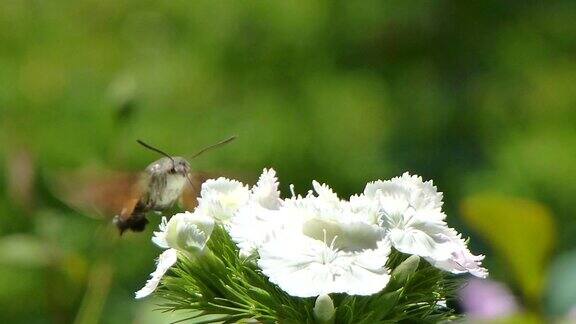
(100, 194)
(191, 192)
(137, 196)
(133, 214)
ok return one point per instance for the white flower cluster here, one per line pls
(318, 244)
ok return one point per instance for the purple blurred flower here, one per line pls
(572, 313)
(487, 299)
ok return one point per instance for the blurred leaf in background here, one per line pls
(521, 231)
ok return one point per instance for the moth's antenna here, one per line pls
(226, 141)
(152, 148)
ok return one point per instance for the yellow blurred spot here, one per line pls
(75, 267)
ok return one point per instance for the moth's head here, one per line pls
(169, 165)
(179, 166)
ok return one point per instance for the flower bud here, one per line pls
(188, 231)
(324, 309)
(404, 271)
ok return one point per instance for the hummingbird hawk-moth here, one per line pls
(131, 196)
(159, 187)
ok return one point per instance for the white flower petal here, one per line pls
(461, 260)
(424, 194)
(386, 188)
(418, 193)
(265, 192)
(252, 226)
(305, 267)
(166, 260)
(354, 236)
(223, 186)
(418, 243)
(221, 198)
(365, 210)
(370, 276)
(159, 237)
(325, 192)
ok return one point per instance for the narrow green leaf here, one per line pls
(383, 304)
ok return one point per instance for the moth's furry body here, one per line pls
(160, 186)
(166, 192)
(166, 184)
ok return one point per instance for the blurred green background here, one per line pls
(478, 96)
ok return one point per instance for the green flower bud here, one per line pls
(324, 309)
(403, 272)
